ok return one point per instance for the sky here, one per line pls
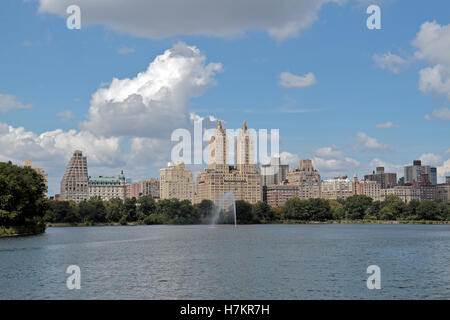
(347, 97)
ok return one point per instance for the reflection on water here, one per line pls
(249, 262)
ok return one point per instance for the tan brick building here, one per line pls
(176, 182)
(244, 180)
(337, 188)
(307, 179)
(150, 187)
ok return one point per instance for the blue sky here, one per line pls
(50, 73)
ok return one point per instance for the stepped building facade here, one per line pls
(243, 180)
(75, 182)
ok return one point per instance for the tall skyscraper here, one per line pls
(307, 179)
(218, 149)
(275, 172)
(75, 182)
(385, 180)
(245, 150)
(414, 173)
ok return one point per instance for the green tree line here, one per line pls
(146, 210)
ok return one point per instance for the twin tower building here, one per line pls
(243, 179)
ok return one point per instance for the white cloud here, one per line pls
(56, 146)
(433, 44)
(443, 171)
(427, 117)
(156, 101)
(289, 80)
(386, 125)
(330, 161)
(65, 115)
(435, 79)
(431, 159)
(125, 50)
(390, 62)
(443, 113)
(161, 18)
(163, 91)
(289, 158)
(368, 143)
(329, 152)
(8, 102)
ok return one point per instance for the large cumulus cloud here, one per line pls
(156, 101)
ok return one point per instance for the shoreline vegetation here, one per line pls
(294, 222)
(357, 209)
(24, 209)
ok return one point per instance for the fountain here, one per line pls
(223, 209)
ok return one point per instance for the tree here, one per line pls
(92, 210)
(145, 206)
(129, 210)
(263, 212)
(396, 208)
(295, 209)
(205, 209)
(429, 210)
(411, 210)
(373, 211)
(22, 200)
(336, 209)
(114, 210)
(63, 211)
(244, 214)
(319, 209)
(356, 206)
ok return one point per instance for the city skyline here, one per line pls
(380, 100)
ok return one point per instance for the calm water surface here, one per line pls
(249, 262)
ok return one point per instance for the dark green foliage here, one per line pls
(262, 212)
(22, 200)
(92, 211)
(244, 213)
(172, 211)
(429, 210)
(206, 210)
(356, 206)
(114, 210)
(295, 209)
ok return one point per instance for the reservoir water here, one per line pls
(224, 262)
